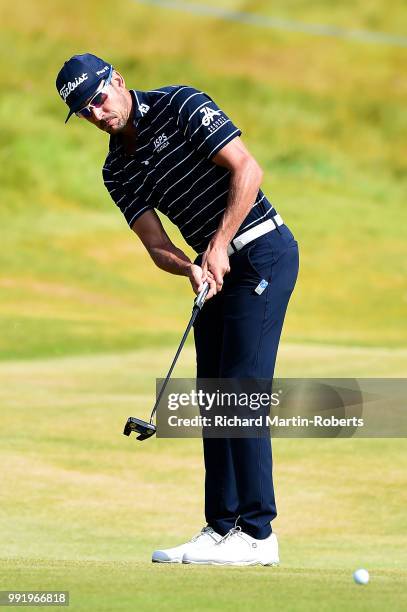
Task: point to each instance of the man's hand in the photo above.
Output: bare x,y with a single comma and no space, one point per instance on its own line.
215,264
198,278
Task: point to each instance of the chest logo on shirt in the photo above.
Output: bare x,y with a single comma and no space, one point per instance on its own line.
208,115
160,143
143,108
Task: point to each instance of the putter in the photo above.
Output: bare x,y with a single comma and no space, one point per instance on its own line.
147,429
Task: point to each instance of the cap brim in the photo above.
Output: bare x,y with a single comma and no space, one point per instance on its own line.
71,112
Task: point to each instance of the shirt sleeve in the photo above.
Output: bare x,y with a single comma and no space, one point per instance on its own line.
202,122
131,204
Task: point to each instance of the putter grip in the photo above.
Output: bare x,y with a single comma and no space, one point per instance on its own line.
200,298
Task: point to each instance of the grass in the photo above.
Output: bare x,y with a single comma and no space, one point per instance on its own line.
350,15
83,507
333,160
126,586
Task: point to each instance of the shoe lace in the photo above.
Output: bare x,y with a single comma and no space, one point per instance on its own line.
196,537
230,533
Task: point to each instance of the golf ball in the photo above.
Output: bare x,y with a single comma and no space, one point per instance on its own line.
361,576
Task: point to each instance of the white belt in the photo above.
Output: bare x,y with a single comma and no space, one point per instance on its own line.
251,234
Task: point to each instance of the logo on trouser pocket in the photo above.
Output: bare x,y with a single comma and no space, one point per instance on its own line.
261,287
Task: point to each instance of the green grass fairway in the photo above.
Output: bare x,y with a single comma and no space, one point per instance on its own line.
107,587
83,507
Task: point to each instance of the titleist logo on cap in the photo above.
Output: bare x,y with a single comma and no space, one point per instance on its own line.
71,86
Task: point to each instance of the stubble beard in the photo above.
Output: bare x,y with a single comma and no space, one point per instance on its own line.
118,125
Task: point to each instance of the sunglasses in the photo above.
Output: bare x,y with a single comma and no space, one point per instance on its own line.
96,101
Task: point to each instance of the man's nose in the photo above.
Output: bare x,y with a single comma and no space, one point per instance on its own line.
97,113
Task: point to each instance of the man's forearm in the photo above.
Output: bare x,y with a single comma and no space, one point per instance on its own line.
171,259
243,189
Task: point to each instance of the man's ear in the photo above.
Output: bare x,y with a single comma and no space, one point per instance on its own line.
118,80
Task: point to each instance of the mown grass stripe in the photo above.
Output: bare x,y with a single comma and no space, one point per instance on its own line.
285,25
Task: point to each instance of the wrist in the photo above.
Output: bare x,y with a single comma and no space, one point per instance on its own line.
219,243
188,270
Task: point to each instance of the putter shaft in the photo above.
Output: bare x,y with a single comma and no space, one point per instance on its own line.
145,429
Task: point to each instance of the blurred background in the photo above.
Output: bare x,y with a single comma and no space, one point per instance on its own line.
87,321
324,115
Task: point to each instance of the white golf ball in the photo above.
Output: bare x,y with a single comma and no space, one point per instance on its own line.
361,576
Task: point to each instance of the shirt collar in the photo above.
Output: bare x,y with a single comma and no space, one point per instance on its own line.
141,104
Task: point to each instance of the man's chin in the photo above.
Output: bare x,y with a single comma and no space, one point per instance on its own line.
112,128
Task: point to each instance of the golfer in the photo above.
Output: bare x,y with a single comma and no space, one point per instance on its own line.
174,150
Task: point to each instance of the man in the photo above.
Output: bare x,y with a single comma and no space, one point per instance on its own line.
174,150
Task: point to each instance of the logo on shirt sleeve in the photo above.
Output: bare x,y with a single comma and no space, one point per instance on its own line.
208,119
208,115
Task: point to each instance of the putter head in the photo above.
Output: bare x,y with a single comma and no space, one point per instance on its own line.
145,429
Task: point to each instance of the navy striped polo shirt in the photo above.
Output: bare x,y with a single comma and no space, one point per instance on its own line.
179,130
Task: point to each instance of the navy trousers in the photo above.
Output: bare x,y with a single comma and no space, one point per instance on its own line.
236,336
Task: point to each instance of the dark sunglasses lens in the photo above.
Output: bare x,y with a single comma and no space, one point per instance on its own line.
96,102
99,99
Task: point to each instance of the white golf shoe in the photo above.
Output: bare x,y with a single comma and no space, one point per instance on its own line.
236,548
206,538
